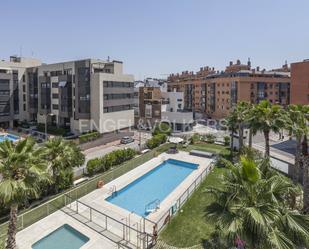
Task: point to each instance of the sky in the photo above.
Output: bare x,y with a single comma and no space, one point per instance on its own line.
154,38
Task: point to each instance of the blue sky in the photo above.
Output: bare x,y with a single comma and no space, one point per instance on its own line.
154,38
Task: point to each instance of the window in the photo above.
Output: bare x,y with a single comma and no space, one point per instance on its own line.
24,78
24,107
24,97
55,95
55,107
24,88
55,85
3,93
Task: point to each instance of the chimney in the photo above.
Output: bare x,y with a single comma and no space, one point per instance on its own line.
238,62
249,63
258,68
231,63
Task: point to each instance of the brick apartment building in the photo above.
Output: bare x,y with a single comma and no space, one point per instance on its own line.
191,85
219,91
300,82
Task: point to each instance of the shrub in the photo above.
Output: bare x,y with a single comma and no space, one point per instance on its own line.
66,178
93,166
195,138
227,140
162,128
88,136
54,130
109,160
156,140
210,138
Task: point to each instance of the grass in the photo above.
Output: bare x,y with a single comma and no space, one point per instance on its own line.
215,148
190,227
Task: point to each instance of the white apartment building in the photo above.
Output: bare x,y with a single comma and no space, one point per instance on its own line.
17,79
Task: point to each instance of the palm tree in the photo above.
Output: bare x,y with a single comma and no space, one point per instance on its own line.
252,204
63,157
23,168
242,110
297,126
231,122
266,118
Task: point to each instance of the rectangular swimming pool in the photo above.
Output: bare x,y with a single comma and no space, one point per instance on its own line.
152,187
9,137
64,237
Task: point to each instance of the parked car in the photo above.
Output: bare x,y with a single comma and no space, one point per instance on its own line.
126,140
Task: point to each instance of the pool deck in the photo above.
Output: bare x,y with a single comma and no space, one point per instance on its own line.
96,200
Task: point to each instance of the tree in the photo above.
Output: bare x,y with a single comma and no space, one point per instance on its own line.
63,157
231,122
266,117
23,169
162,128
252,205
242,110
297,126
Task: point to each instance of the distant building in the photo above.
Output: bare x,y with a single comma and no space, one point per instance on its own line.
86,95
214,93
18,90
156,106
81,95
300,83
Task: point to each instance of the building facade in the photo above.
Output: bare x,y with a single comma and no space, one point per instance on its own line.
191,85
81,95
156,106
86,95
17,90
217,92
300,83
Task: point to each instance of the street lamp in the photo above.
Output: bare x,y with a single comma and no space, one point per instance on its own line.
48,114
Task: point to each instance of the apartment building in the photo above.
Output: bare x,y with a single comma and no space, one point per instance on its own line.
82,95
18,90
86,95
300,83
212,93
241,83
190,84
158,106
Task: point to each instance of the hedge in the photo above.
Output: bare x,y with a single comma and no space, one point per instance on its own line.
54,130
156,140
111,159
88,136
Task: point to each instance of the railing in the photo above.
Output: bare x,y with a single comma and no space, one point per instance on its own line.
126,233
168,215
35,214
152,206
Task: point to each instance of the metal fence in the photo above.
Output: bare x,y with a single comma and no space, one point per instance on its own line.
35,214
120,231
168,215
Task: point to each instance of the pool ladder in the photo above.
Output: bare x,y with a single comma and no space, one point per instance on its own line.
152,206
113,190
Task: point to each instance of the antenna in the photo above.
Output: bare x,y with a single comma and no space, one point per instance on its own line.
20,50
107,58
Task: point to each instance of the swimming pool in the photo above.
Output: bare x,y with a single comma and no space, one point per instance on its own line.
64,237
146,192
9,137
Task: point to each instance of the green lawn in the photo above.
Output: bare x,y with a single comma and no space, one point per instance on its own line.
190,227
215,148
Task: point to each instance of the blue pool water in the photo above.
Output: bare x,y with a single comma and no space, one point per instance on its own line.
9,137
64,237
156,184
